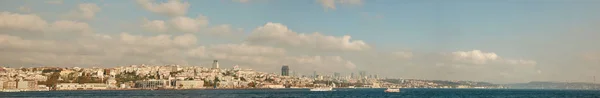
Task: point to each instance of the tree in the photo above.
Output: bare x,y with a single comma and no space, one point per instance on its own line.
207,83
52,80
216,81
84,79
242,78
252,84
127,76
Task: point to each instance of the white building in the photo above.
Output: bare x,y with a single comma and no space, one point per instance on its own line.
111,82
189,84
27,85
76,86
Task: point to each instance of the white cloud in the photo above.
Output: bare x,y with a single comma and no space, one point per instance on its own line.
166,41
54,1
331,4
352,2
475,56
241,1
24,9
327,4
223,30
85,11
479,58
322,63
403,55
97,49
199,51
154,25
244,49
279,35
521,62
14,21
190,25
170,8
70,26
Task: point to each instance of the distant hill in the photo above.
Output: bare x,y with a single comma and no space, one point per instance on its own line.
553,85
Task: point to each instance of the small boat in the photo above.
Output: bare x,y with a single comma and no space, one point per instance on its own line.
392,90
322,89
7,90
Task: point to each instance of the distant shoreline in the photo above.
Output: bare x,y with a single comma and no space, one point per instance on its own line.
297,89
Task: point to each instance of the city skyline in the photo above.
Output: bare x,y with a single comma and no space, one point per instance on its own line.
508,41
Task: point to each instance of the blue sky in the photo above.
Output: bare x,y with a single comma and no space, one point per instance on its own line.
553,33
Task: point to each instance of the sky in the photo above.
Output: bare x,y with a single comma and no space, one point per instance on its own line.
498,41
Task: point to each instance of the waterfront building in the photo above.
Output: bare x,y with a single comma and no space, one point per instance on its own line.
111,82
27,85
188,84
150,84
10,85
285,70
77,86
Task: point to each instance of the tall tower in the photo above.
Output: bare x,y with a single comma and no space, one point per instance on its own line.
362,74
285,70
215,64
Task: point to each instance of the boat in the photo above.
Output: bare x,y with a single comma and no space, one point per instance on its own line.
7,90
351,87
392,90
322,89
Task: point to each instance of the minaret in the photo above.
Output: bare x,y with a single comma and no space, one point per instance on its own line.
215,64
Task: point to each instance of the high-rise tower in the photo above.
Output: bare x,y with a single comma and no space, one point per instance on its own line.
362,74
285,70
215,64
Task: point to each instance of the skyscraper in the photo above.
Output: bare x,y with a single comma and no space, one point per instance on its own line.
336,75
285,70
352,75
215,64
362,74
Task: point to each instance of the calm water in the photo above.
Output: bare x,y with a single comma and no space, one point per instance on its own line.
304,93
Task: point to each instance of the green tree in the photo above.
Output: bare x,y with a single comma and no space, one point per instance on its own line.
52,80
252,84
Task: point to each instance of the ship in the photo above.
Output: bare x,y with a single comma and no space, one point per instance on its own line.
324,88
10,90
351,87
392,90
